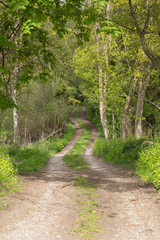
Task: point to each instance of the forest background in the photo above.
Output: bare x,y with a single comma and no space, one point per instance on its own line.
57,54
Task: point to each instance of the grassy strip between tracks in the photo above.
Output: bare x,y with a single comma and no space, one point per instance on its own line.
74,159
87,198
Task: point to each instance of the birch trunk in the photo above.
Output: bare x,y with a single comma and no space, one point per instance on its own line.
102,91
126,122
113,124
102,106
140,102
15,111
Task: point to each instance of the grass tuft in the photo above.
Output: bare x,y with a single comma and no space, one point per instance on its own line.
83,183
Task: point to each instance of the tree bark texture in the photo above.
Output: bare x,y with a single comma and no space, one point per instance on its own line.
140,102
126,122
15,111
102,91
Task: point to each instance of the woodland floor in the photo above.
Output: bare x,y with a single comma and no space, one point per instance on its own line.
46,208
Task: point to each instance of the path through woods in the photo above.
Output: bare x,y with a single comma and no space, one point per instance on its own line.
47,209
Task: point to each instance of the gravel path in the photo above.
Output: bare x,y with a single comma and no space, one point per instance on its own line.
46,208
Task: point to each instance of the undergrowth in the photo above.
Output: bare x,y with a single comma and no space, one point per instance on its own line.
124,153
144,158
33,157
149,165
8,179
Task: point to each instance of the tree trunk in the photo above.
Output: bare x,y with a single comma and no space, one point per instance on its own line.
139,109
102,92
113,124
102,105
126,122
15,111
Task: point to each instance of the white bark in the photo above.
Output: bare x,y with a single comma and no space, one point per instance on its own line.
102,91
113,124
126,129
15,111
139,109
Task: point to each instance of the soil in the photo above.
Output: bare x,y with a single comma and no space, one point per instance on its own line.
46,208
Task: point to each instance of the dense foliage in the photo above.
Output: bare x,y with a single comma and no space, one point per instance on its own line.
149,161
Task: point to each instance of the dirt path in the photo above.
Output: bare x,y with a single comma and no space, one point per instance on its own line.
46,209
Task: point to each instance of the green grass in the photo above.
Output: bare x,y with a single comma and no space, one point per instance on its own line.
87,222
78,111
145,173
33,157
83,183
118,151
74,159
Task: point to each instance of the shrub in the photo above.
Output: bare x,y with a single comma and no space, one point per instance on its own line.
118,151
149,158
100,147
7,172
8,178
110,150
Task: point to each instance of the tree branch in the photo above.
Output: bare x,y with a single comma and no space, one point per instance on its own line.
149,102
147,18
154,59
22,65
117,23
4,4
53,133
134,17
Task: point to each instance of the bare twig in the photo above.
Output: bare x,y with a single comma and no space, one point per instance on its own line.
149,102
53,133
22,65
117,23
147,17
4,4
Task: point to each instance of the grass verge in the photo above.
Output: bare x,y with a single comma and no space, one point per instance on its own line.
87,222
124,153
144,158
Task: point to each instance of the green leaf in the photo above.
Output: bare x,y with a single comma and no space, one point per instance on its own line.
18,4
4,70
6,102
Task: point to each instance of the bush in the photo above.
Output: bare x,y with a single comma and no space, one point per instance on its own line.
111,150
149,159
8,178
7,172
118,151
